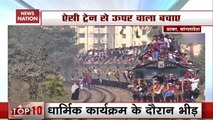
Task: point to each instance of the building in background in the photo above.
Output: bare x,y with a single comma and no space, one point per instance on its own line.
126,36
93,37
109,37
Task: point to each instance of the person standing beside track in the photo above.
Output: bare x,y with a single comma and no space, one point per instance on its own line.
108,74
117,76
80,80
88,78
99,75
75,90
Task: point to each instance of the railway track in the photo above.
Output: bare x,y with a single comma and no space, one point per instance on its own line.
96,94
110,97
84,96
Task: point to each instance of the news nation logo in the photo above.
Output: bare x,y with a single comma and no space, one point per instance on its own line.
27,110
27,16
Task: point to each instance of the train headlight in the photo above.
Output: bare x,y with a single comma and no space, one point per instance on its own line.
161,64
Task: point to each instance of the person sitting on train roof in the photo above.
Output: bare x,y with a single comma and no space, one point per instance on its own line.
169,50
155,54
162,54
167,40
149,55
162,43
171,57
177,56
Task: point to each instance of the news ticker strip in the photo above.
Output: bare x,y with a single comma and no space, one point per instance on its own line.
160,18
123,110
42,110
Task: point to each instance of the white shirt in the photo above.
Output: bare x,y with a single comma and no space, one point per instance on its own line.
90,53
131,52
170,56
150,58
126,72
73,88
95,71
167,41
195,82
109,73
96,54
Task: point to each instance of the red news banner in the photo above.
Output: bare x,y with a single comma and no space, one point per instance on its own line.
182,28
27,16
106,110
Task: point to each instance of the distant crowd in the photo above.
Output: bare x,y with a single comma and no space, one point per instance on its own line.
127,55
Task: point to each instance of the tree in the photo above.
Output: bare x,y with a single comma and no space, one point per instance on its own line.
32,70
36,52
53,86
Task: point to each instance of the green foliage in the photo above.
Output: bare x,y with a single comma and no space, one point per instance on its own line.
53,86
